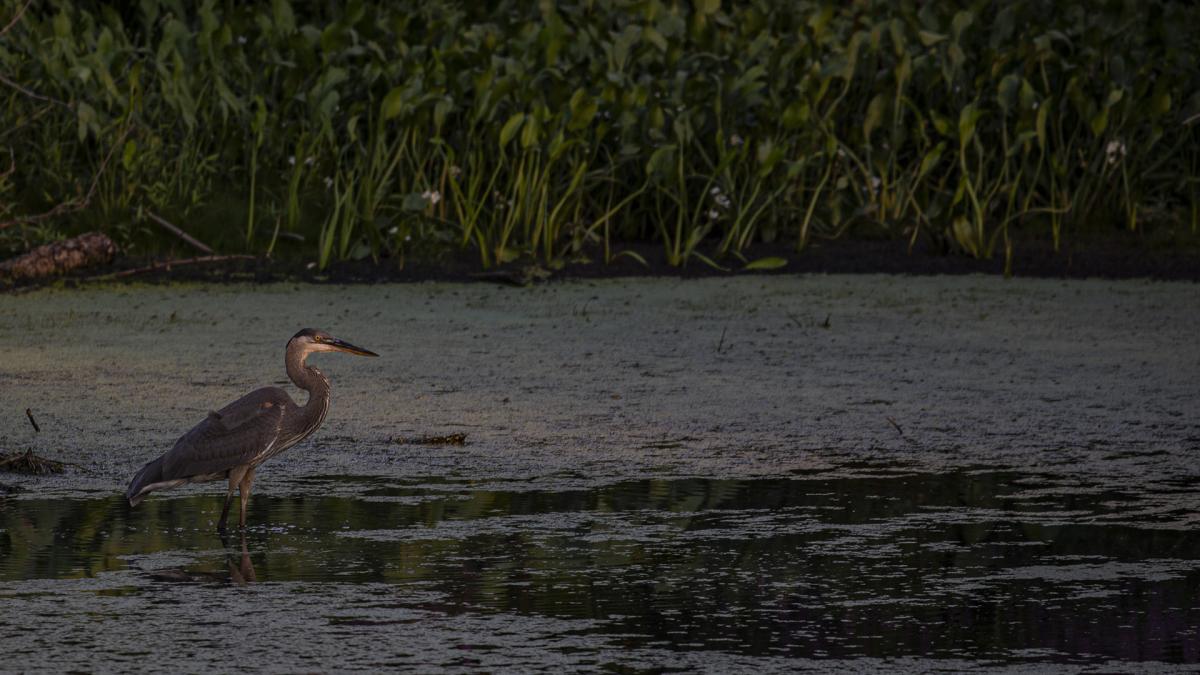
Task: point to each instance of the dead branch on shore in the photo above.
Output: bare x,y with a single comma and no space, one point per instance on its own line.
170,227
168,264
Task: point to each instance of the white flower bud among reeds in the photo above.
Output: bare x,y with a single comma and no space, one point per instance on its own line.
432,196
1115,151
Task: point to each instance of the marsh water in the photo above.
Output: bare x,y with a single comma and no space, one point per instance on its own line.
979,566
656,476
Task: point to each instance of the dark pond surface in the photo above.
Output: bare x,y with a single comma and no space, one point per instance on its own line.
976,569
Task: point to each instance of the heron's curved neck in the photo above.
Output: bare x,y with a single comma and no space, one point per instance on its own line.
307,377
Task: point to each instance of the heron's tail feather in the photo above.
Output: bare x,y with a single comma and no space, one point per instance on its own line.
148,479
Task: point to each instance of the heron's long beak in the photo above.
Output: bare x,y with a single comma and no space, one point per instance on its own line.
343,346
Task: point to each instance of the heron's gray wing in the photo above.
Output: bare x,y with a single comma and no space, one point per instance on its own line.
232,436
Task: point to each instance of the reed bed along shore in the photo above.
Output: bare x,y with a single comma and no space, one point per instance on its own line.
553,131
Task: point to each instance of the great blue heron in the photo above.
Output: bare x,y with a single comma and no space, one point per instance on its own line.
233,441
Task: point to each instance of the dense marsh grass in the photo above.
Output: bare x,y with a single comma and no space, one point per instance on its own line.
554,130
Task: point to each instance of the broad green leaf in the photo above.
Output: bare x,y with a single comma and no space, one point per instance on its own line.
583,110
876,110
393,103
941,123
507,254
651,35
770,263
259,123
1002,26
929,38
632,255
531,134
899,42
795,115
1028,95
1160,104
660,160
931,159
87,119
904,71
968,118
1008,91
1042,116
127,155
706,7
510,128
62,25
414,202
769,156
441,110
966,236
962,20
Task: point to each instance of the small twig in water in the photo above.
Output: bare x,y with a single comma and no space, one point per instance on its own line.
27,462
893,423
448,439
826,324
29,414
167,225
721,342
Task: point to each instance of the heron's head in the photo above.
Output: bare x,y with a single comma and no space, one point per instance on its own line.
311,340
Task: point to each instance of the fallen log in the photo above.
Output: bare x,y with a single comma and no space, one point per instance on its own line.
61,257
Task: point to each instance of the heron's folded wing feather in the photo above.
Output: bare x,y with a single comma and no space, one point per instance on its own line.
226,439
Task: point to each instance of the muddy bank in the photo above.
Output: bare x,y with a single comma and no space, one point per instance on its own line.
1165,255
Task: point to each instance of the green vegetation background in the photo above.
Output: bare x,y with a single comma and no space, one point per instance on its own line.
551,130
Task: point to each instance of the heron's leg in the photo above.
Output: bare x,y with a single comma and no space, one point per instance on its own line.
246,482
235,477
225,511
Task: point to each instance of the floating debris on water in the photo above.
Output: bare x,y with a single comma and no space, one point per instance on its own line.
448,439
27,462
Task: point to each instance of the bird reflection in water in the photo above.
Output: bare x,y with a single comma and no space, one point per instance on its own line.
239,568
242,571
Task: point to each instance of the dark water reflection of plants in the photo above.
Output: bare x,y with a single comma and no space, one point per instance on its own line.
990,565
